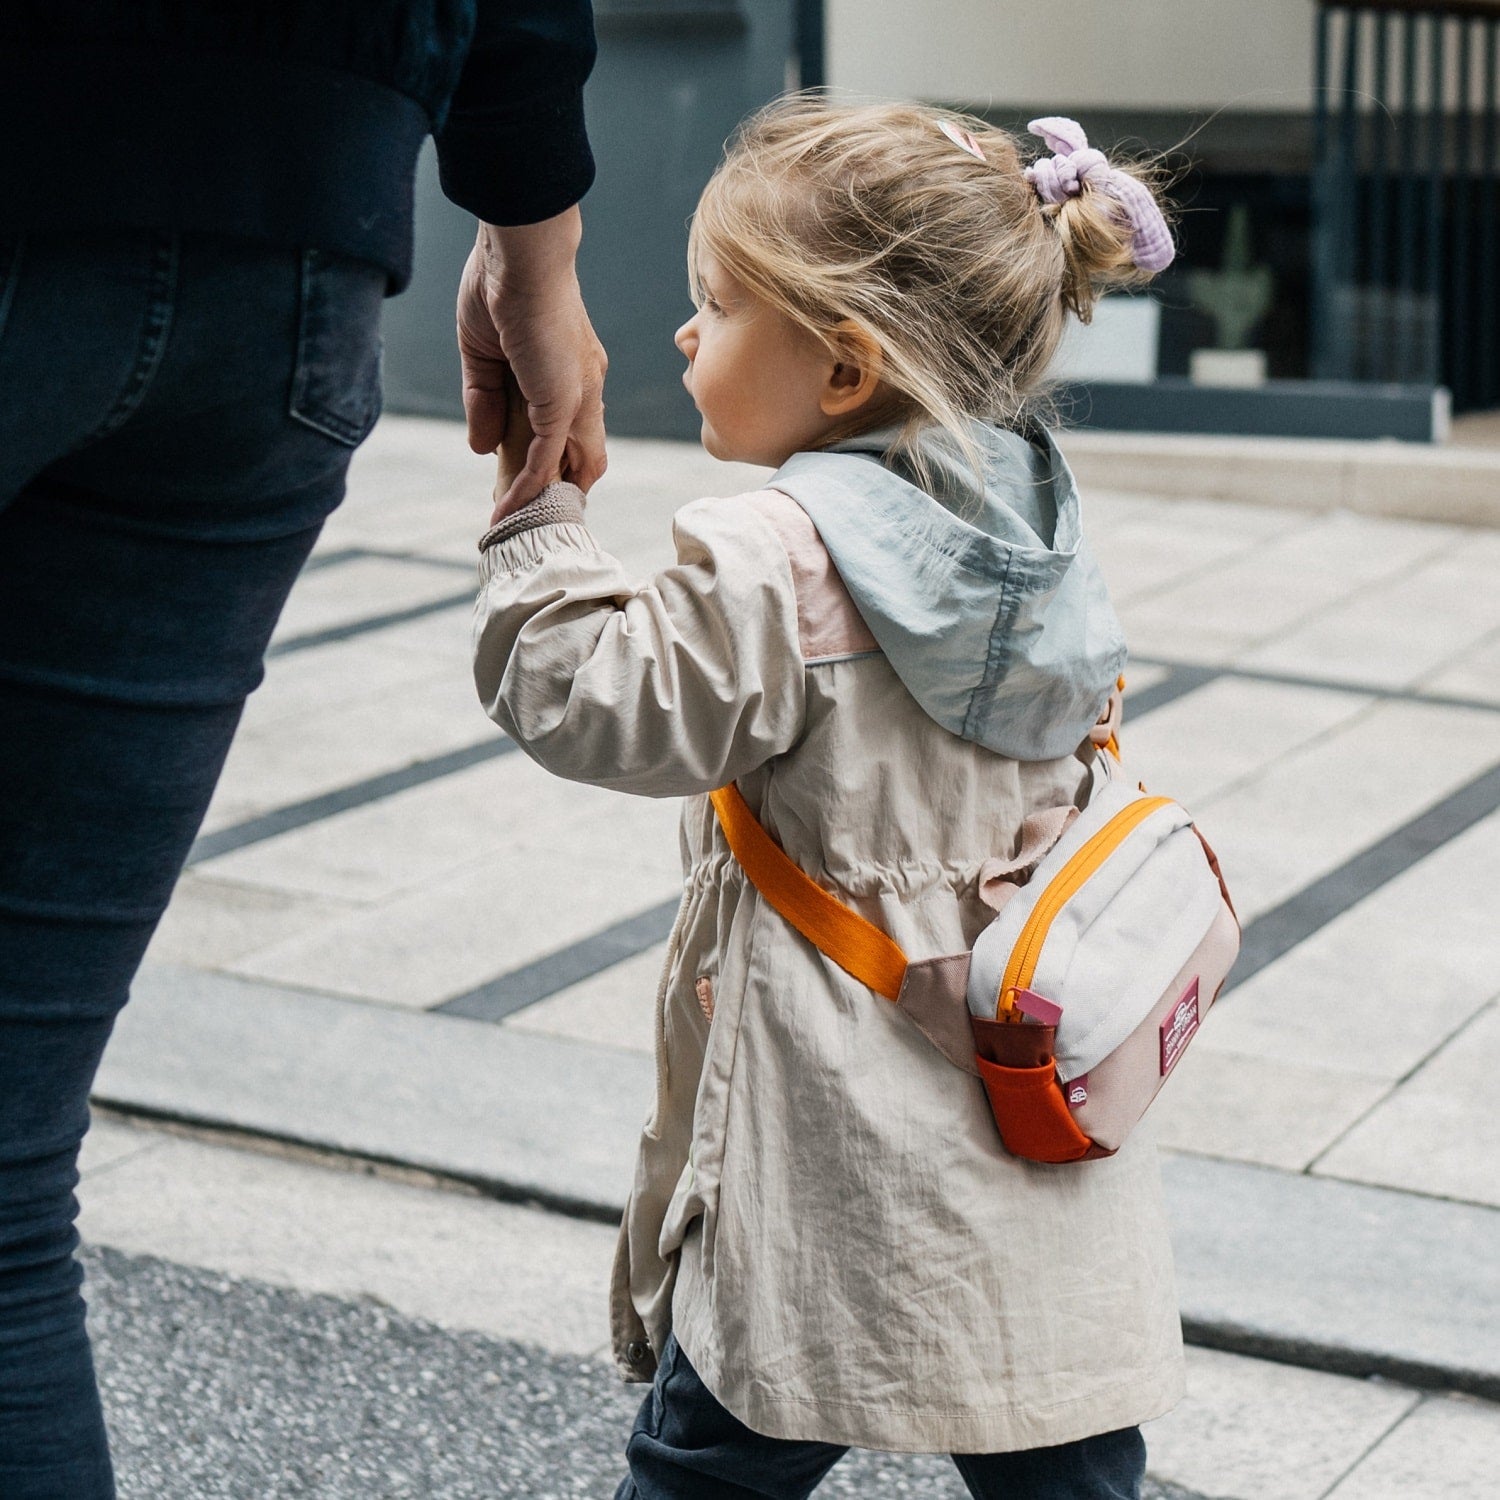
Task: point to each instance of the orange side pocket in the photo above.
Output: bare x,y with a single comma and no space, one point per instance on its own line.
1032,1114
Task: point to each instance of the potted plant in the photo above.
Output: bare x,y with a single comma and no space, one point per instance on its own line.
1236,296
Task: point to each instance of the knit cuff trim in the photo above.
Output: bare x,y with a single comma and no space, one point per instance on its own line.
560,504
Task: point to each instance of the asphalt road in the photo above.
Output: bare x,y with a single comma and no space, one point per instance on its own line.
218,1389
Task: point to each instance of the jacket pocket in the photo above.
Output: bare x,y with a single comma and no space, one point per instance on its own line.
336,383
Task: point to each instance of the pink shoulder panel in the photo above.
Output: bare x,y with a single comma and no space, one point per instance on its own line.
827,621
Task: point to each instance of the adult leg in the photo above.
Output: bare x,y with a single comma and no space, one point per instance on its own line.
685,1446
1109,1466
214,393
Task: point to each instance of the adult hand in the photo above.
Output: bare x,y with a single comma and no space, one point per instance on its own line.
520,311
515,447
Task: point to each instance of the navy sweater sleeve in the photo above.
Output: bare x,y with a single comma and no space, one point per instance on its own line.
513,148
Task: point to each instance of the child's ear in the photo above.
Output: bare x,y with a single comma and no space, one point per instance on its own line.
855,374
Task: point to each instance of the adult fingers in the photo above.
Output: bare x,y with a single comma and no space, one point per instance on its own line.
484,382
543,465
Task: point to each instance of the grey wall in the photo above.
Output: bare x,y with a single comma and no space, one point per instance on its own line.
671,83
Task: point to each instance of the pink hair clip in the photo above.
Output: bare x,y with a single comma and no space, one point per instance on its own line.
961,138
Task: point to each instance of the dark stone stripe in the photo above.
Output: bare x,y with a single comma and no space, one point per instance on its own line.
1276,932
1178,683
320,560
506,994
363,626
1196,676
299,814
336,558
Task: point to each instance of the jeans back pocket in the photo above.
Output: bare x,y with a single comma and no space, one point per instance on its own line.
336,384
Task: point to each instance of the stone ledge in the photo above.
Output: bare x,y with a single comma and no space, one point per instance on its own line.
1309,1271
1459,486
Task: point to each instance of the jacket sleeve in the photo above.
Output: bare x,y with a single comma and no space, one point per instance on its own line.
513,148
664,688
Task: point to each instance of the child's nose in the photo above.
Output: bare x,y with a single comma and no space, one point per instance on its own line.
686,337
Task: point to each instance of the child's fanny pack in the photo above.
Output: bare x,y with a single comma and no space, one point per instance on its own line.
1112,939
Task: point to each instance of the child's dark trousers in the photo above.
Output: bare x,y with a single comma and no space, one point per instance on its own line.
687,1447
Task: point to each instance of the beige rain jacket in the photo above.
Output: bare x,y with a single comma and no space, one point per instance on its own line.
822,1209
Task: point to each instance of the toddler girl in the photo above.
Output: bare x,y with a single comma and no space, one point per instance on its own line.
897,649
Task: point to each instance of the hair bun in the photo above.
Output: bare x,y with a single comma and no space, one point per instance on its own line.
1099,242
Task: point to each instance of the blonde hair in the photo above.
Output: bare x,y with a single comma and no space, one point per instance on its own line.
952,265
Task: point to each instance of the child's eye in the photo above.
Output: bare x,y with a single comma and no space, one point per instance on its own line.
709,305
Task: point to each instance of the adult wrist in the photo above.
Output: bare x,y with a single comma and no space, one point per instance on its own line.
522,259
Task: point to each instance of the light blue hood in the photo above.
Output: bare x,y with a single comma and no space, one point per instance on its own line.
986,601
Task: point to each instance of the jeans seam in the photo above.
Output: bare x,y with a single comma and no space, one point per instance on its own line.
153,340
9,276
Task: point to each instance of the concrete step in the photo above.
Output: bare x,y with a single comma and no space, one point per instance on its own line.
1321,1273
1456,484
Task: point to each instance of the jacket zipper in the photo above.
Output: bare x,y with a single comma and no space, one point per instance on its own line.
1066,884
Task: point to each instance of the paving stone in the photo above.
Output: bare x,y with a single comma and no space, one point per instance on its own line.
1396,634
1276,1112
519,903
1325,801
1337,1275
1197,746
324,598
1383,985
348,742
485,818
110,1141
210,922
528,1116
1474,673
1444,1450
444,636
1252,1430
456,1260
1226,610
342,672
614,1009
1156,547
1436,1133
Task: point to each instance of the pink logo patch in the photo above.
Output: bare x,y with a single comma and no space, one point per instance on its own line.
1076,1091
1178,1029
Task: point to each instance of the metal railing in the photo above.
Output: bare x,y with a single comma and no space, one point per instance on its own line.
1406,195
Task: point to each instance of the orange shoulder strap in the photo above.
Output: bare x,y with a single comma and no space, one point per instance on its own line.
855,945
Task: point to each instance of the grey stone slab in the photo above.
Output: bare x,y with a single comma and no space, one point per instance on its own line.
1436,1133
1406,629
1352,1279
1258,596
617,1006
525,1116
456,1259
1445,1450
110,1142
1256,1430
1273,1111
1325,802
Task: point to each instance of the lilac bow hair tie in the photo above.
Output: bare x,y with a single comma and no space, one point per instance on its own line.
1074,162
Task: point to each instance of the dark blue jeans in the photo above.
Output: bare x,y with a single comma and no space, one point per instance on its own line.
177,416
687,1447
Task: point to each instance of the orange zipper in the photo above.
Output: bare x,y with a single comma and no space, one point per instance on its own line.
1069,880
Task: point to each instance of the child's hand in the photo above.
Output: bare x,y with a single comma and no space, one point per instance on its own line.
514,446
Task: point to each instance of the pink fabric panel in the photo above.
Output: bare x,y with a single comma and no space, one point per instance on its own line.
827,621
